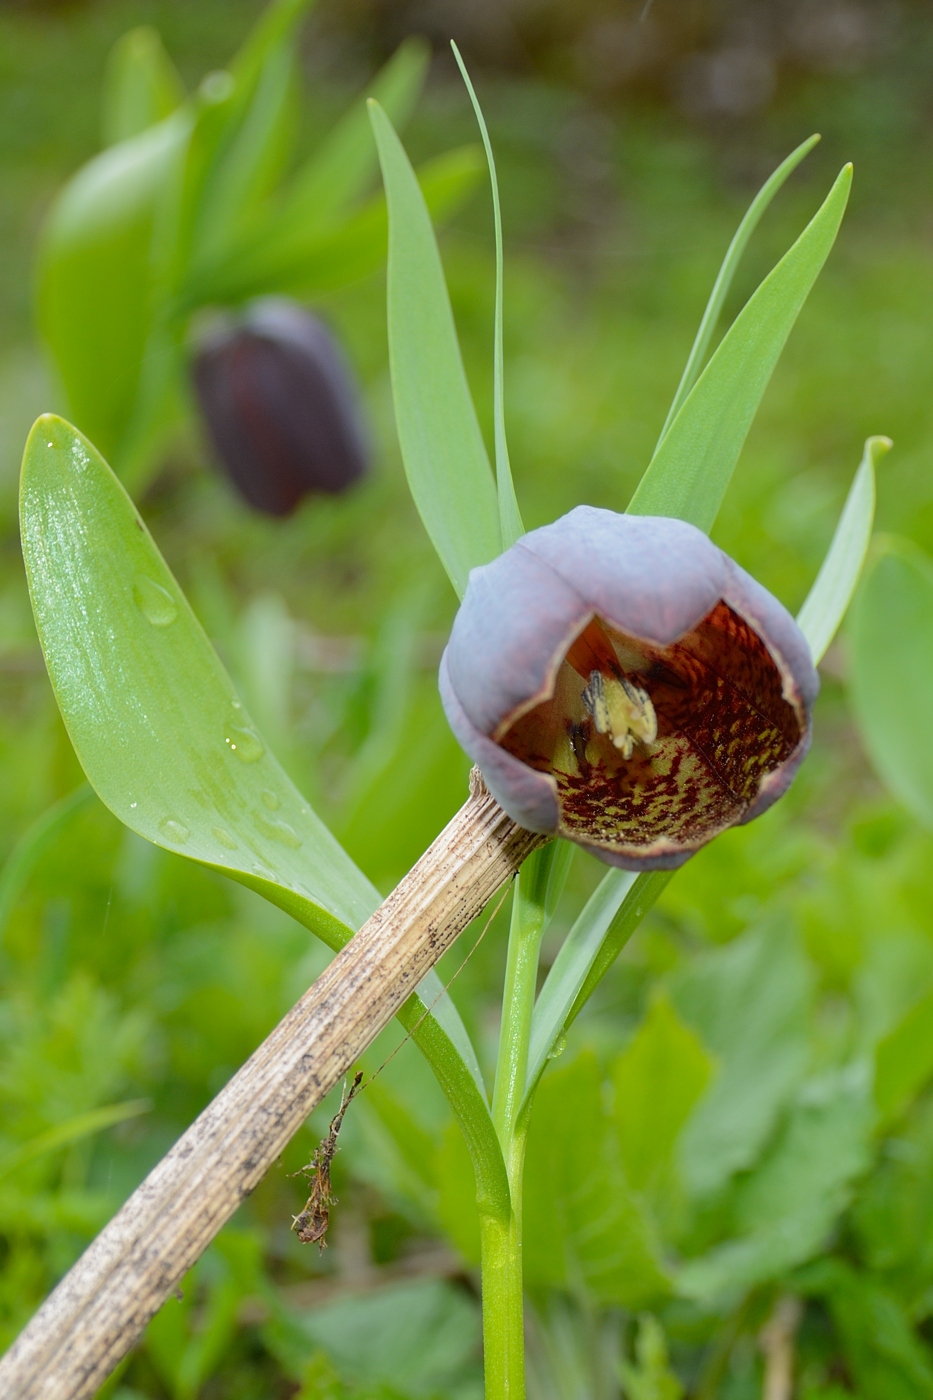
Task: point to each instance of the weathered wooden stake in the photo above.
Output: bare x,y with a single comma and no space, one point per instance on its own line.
101,1307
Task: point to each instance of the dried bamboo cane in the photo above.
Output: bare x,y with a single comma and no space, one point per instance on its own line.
101,1307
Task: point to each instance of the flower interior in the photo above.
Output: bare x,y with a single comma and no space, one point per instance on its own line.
658,746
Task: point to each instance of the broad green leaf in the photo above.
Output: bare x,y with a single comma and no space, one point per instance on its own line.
160,731
339,169
726,273
749,1001
581,1223
442,446
891,680
413,1338
904,1060
658,1078
96,297
141,85
784,1210
892,1216
510,519
828,600
604,926
693,464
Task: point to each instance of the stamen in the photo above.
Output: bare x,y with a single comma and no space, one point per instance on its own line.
621,710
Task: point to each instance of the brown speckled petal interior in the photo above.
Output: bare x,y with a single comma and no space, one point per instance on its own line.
724,725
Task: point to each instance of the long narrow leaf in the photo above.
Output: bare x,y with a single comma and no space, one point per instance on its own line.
607,921
344,162
829,598
510,518
693,466
442,446
726,273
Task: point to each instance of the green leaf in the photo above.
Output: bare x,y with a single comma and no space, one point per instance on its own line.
73,1130
323,261
442,446
343,163
726,273
892,670
162,735
886,1359
829,598
153,716
600,932
904,1060
658,1078
750,1004
19,863
96,294
510,519
693,464
581,1224
141,85
783,1211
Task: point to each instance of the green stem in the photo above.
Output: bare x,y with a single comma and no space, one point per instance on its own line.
503,1320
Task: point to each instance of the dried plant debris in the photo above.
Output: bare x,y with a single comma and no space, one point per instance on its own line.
311,1225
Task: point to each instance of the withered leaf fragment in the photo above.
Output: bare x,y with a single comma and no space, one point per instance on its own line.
311,1225
279,405
622,682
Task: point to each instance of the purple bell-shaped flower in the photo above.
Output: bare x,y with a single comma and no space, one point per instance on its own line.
621,682
280,406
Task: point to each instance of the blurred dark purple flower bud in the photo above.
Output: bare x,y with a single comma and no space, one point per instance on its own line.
621,682
280,406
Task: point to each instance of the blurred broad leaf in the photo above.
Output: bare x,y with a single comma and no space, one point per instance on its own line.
96,297
828,600
420,1336
891,682
658,1078
442,446
904,1060
783,1211
693,464
141,85
750,1003
581,1223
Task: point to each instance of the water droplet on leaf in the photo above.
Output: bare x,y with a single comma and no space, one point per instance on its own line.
174,831
271,799
223,837
247,746
279,831
154,602
558,1048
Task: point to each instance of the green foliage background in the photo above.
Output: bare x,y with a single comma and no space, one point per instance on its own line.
781,969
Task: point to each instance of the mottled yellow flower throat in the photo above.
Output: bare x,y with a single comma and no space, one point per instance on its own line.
649,743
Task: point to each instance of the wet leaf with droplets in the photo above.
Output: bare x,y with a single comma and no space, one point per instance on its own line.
155,720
